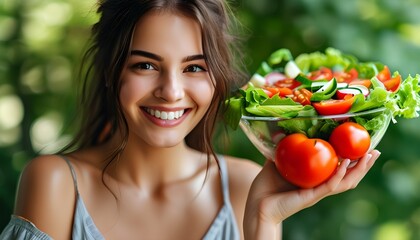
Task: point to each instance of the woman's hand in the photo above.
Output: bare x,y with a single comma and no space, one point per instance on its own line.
271,199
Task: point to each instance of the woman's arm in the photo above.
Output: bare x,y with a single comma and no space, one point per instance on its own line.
46,196
271,199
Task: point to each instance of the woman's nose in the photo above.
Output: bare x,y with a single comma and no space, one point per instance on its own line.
171,87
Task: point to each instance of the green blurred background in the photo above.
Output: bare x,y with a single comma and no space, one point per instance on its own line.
41,42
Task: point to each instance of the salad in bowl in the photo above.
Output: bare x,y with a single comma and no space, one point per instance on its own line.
309,112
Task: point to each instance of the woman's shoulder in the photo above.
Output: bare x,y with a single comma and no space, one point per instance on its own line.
46,195
240,168
45,163
46,171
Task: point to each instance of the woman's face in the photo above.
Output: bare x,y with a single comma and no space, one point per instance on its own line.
166,86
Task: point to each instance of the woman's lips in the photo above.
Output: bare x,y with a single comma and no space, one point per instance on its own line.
165,118
165,115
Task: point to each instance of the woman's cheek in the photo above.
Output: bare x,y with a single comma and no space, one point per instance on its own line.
203,91
132,90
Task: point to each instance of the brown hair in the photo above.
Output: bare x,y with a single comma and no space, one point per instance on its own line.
105,59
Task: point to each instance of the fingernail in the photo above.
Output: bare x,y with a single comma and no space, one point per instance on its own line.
347,162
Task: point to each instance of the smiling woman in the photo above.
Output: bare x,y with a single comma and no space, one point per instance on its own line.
142,164
164,78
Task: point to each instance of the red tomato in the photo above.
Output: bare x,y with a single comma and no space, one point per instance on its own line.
347,77
281,91
333,106
287,83
305,162
364,82
323,73
384,74
393,84
350,140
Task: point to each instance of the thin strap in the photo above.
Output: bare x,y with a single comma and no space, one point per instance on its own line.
224,178
73,173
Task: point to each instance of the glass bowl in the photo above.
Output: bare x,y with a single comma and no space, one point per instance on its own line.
265,132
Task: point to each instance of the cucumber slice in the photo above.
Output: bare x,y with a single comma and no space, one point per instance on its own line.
326,91
342,85
352,90
363,89
316,85
341,93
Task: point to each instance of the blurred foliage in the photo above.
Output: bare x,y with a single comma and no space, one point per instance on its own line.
41,42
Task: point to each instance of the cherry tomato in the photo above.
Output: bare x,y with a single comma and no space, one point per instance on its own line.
333,106
305,162
323,73
302,96
384,74
364,82
281,91
350,140
287,83
346,77
393,84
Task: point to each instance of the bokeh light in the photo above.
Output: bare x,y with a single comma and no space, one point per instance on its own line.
11,111
45,131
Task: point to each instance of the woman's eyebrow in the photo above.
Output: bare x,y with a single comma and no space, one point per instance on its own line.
194,57
146,54
159,58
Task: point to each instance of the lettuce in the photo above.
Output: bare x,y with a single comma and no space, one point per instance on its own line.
254,101
332,58
403,103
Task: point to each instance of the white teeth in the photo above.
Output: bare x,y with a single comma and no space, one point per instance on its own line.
165,115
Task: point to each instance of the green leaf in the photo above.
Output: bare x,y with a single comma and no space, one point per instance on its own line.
279,56
234,111
283,111
264,69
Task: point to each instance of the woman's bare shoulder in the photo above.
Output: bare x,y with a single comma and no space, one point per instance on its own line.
242,170
46,195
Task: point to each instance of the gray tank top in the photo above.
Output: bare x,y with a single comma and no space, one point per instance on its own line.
224,226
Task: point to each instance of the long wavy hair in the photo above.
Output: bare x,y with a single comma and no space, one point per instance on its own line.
108,51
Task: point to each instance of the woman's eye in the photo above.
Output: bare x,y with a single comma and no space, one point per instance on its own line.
143,66
194,68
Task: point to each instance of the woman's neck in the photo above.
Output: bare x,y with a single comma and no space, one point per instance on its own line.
149,167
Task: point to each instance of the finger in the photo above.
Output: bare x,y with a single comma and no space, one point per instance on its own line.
329,187
375,155
341,180
355,175
363,165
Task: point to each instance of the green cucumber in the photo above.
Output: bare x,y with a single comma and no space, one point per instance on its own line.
325,92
